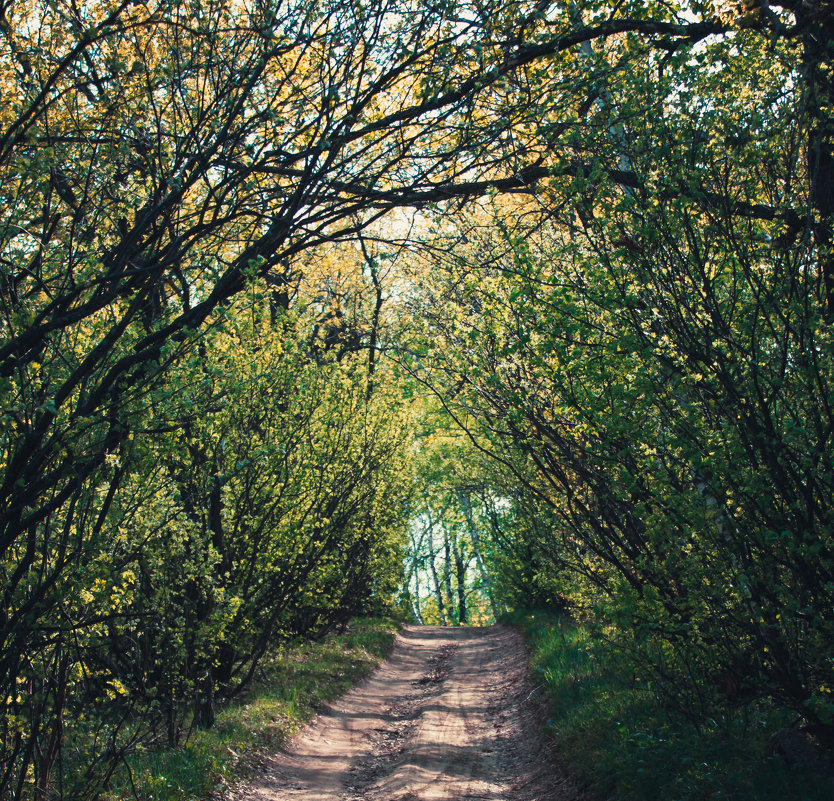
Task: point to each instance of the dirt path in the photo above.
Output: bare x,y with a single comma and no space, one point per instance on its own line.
449,715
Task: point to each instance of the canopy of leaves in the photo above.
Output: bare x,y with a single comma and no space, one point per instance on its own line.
622,285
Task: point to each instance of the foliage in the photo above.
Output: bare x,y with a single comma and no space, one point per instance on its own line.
294,680
261,495
607,725
676,473
156,160
627,213
643,347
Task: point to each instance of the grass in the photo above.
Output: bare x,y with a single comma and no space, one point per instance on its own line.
624,745
294,682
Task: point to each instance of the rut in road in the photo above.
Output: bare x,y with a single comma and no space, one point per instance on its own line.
449,715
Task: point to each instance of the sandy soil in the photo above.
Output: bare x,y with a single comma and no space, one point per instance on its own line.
451,714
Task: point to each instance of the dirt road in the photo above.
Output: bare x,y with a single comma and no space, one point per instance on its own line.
449,715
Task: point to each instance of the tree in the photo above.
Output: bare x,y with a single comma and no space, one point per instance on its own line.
289,489
648,353
644,346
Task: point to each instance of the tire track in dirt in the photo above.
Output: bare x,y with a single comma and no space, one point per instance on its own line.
449,715
390,743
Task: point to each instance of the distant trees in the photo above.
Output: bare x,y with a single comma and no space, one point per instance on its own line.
448,580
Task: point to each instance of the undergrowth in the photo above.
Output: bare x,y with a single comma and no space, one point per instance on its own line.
624,745
294,681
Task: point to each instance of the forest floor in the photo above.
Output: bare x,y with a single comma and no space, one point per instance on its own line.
451,714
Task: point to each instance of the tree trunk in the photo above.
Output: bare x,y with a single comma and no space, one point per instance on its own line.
447,576
475,538
433,570
372,346
415,602
460,572
54,739
204,702
173,728
414,598
820,96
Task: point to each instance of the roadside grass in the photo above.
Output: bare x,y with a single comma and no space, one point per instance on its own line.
623,745
293,682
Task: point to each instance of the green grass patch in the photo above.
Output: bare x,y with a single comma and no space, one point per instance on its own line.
293,682
620,741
